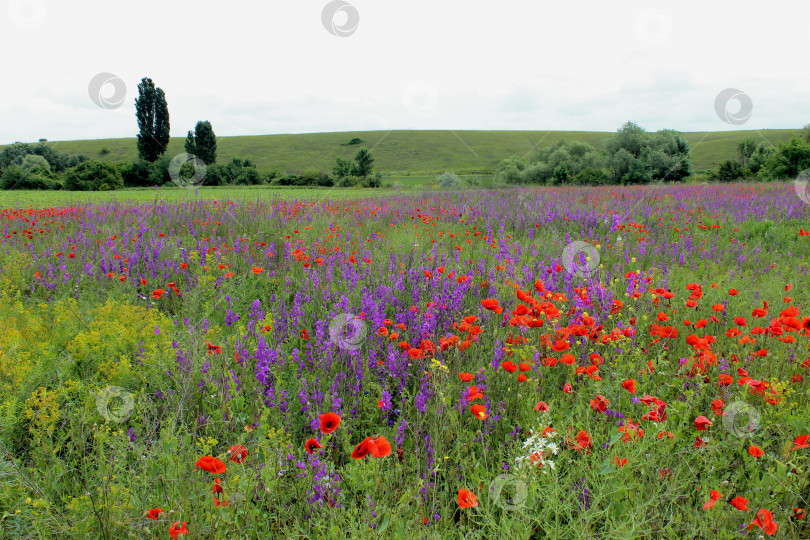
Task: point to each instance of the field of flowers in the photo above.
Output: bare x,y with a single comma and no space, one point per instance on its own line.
547,363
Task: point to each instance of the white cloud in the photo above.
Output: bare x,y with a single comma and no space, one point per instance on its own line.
264,66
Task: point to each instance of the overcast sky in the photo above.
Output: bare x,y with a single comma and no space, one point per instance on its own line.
255,67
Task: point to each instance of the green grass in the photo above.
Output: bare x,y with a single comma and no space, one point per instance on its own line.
414,152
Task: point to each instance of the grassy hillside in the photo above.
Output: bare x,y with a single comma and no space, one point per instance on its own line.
418,152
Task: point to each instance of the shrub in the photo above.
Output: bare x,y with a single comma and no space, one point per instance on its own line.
728,171
33,162
449,180
93,176
16,177
137,174
592,177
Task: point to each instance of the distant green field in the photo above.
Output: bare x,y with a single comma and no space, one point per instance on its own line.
414,152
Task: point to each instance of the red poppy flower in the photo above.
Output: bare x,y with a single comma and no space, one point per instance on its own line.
238,453
217,487
157,293
522,378
474,393
600,403
755,451
304,334
583,442
329,422
629,385
378,447
210,464
415,353
714,496
154,513
509,366
492,305
799,513
541,406
466,377
701,422
466,498
479,411
621,462
175,531
567,388
740,503
801,442
257,270
765,522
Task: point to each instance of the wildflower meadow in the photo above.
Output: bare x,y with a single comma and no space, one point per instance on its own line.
557,362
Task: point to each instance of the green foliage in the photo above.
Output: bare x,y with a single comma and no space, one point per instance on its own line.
728,171
363,163
591,176
93,176
202,142
426,153
138,173
449,180
33,162
789,159
237,172
746,149
152,113
638,157
17,177
16,153
343,168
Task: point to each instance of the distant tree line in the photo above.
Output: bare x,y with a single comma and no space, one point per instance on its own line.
762,161
26,166
632,156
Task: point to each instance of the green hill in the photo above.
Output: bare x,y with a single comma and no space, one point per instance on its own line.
418,152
